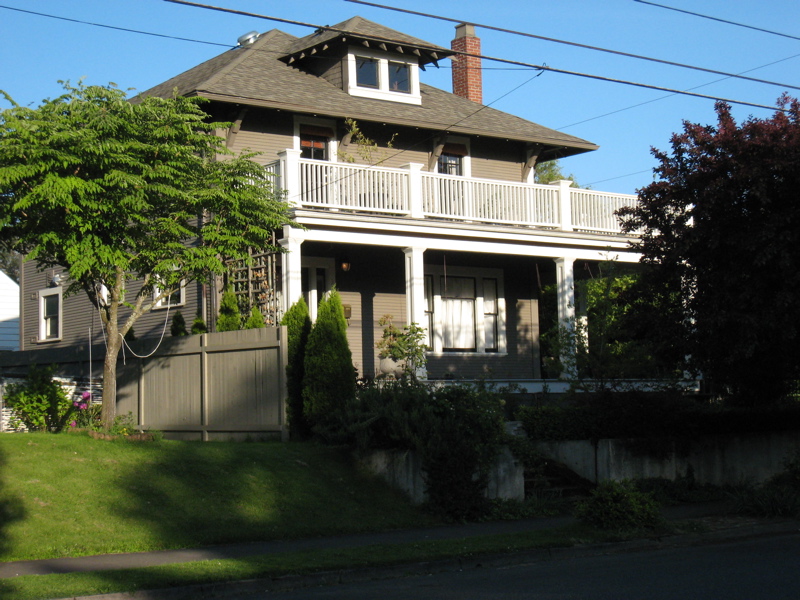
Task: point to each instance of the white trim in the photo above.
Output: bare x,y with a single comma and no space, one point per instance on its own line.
382,92
312,263
53,291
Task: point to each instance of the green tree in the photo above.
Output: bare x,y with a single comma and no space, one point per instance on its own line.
229,319
550,171
117,191
329,380
178,327
298,326
255,320
9,264
720,232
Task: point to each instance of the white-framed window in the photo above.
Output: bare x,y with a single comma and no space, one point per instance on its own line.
454,158
381,75
466,309
315,138
176,298
50,314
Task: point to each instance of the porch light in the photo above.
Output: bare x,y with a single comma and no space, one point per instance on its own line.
345,264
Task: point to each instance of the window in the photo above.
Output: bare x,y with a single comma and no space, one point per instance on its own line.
50,314
465,309
367,72
383,76
450,164
176,298
313,146
399,77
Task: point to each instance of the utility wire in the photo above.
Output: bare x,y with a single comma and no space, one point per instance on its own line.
492,58
694,14
576,44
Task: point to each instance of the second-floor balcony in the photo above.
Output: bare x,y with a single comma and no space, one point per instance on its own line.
411,192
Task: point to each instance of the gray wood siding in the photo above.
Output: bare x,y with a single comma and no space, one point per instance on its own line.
494,160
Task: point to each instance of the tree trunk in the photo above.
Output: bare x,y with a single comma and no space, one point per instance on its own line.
109,412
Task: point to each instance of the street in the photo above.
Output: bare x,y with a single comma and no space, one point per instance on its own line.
745,570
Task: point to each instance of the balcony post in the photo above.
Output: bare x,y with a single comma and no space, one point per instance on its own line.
415,204
564,203
292,265
290,176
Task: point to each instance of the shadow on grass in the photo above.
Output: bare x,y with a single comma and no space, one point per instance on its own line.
11,509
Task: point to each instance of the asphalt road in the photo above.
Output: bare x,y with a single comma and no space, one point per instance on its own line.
767,568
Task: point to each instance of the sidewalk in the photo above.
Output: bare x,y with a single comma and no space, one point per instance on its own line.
717,527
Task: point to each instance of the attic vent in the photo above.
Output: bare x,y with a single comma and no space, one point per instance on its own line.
247,38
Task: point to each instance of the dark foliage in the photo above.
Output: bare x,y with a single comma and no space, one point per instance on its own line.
298,326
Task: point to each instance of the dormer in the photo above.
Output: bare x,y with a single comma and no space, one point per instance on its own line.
367,60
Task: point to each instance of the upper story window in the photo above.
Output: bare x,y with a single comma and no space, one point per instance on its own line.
315,139
50,314
367,72
313,146
450,164
382,75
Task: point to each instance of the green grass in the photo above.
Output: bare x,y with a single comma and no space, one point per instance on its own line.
70,495
39,587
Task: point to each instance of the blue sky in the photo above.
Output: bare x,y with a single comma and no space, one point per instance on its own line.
36,51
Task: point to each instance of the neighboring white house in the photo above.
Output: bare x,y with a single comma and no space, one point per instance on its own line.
9,313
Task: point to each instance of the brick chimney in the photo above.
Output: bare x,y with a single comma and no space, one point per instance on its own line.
467,81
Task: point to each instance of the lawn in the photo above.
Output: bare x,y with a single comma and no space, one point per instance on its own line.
71,495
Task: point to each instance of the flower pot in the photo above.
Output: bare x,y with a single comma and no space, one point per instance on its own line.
390,366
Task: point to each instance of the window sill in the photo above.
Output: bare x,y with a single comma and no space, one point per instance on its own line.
432,354
48,340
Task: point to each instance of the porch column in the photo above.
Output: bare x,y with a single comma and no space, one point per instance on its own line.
415,292
290,176
291,261
565,284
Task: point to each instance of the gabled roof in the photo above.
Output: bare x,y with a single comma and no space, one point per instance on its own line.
361,31
256,75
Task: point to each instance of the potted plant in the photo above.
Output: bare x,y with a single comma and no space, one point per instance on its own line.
401,351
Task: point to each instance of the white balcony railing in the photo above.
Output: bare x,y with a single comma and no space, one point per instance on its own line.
410,192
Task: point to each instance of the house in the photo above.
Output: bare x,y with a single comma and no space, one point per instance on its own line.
413,201
9,313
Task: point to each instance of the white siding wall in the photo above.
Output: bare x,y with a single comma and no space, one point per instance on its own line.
9,313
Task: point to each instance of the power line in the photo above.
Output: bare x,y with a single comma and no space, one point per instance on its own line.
492,58
694,14
114,27
576,44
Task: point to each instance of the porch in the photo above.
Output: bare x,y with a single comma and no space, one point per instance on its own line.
413,193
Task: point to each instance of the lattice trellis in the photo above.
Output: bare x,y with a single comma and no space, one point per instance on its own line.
258,284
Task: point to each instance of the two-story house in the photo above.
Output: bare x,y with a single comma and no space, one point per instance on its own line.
438,221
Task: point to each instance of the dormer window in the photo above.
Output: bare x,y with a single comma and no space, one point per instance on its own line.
383,76
367,72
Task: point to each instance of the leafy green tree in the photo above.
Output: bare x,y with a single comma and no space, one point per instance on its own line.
178,327
111,189
329,380
9,264
199,325
298,326
720,231
255,320
229,319
550,171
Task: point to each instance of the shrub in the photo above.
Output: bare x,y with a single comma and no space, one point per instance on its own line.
406,346
230,319
178,327
40,403
329,378
298,326
619,506
199,325
255,320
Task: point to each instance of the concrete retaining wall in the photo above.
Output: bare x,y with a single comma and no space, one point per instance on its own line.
403,470
718,460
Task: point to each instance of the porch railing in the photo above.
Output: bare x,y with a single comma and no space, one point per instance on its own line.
410,192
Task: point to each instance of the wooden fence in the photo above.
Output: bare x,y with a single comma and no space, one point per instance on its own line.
214,386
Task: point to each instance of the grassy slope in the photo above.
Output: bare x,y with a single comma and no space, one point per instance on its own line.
70,495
